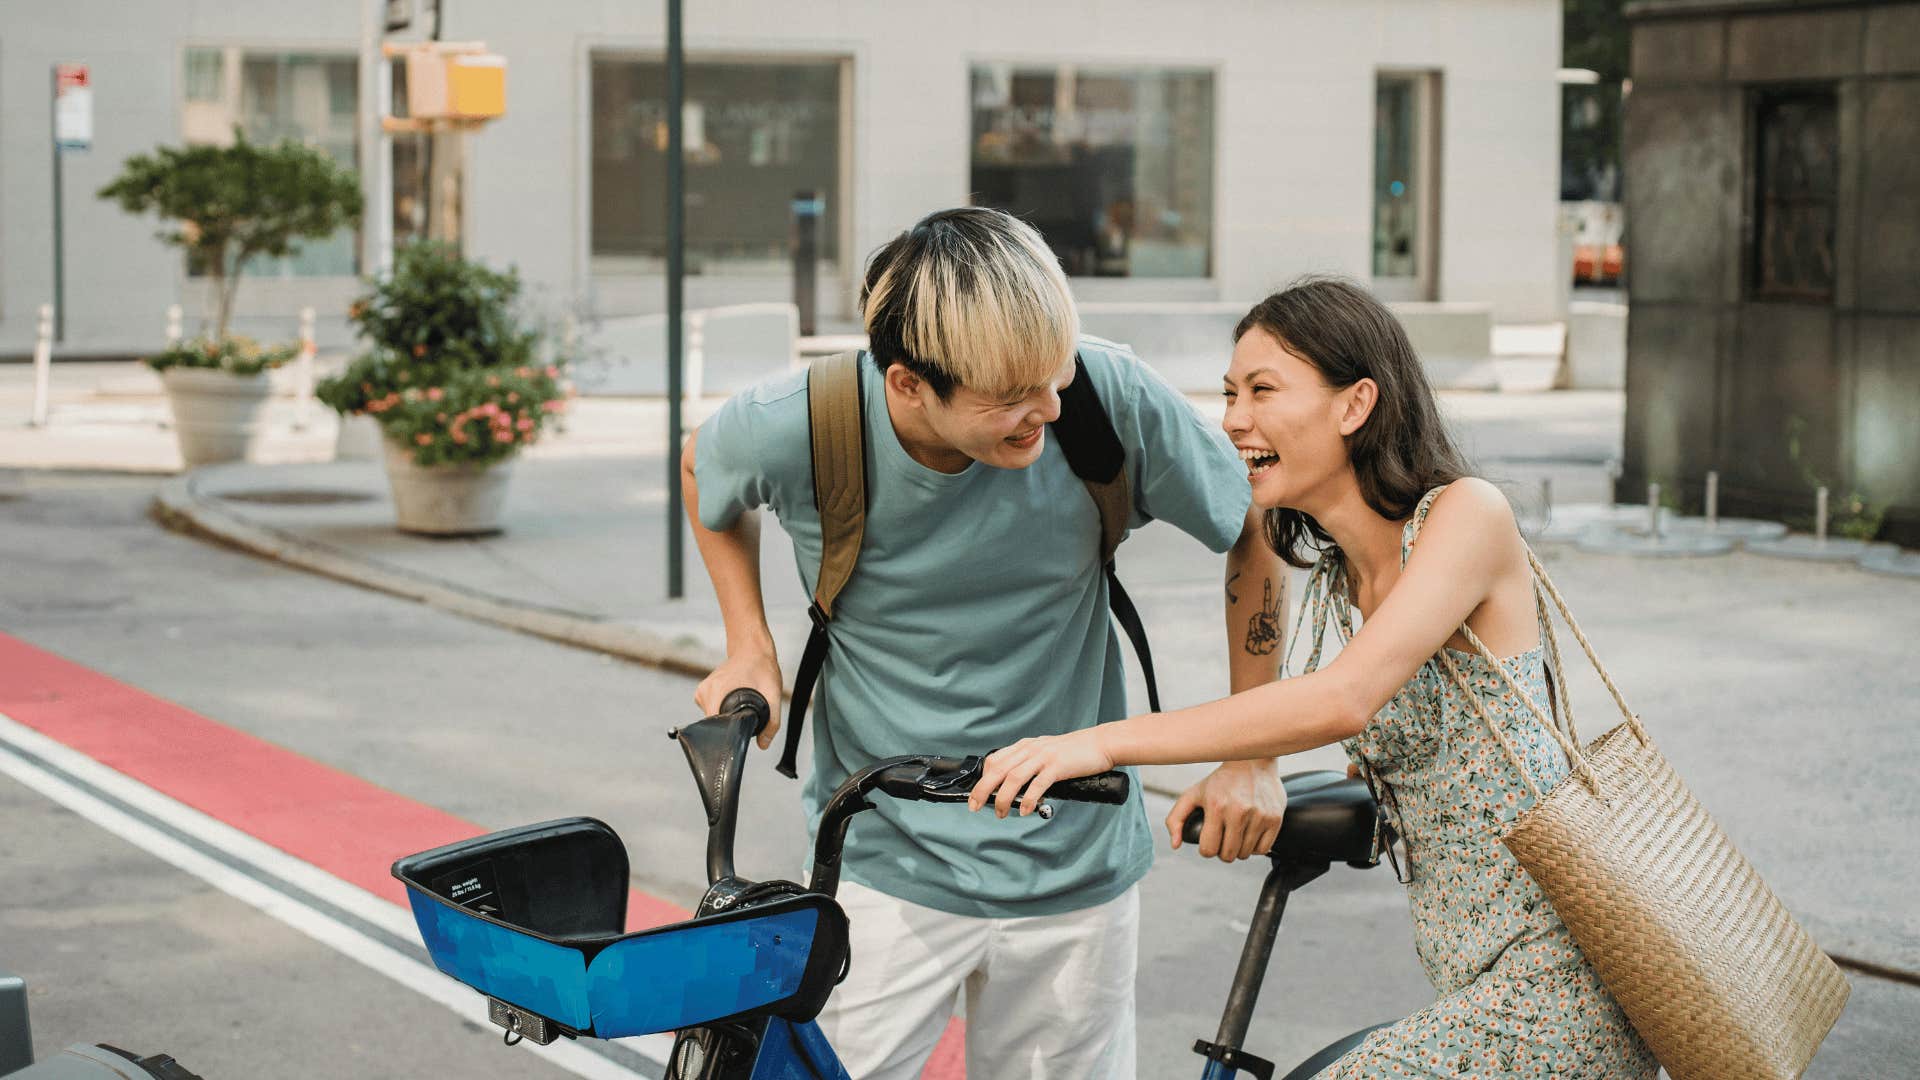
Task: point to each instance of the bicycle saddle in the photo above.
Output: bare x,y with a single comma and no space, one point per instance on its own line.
1329,819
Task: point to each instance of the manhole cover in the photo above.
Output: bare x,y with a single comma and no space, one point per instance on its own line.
296,497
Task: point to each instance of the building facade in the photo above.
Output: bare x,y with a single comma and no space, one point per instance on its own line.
1773,212
1194,152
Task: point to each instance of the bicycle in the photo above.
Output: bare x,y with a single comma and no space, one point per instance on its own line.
533,917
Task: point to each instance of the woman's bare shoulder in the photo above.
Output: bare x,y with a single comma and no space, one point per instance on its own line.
1474,511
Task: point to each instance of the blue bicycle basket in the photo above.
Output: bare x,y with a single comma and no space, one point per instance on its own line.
534,917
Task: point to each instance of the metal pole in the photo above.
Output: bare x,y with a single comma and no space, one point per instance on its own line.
806,258
59,219
376,147
1820,516
676,252
1713,500
1653,511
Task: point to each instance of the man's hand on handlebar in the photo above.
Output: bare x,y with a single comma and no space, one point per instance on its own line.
1244,803
1035,765
755,670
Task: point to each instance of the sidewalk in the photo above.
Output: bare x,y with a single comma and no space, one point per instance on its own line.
1784,691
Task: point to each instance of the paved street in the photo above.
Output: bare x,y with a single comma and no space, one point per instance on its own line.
121,947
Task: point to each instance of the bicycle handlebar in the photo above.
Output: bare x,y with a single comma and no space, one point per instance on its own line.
751,700
930,779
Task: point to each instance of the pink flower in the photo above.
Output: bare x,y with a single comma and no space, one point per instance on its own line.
423,439
513,399
493,380
434,393
505,435
553,372
524,372
525,424
555,405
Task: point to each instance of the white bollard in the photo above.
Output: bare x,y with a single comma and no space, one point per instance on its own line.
175,323
303,401
1653,510
42,366
1713,500
1820,516
696,368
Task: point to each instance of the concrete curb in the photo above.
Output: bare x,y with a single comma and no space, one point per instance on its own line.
180,506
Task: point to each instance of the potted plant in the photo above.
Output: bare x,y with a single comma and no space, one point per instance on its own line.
459,380
225,205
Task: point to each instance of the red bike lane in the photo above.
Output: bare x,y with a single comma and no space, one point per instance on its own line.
330,819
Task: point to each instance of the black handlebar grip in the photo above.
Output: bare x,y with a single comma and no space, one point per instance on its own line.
748,698
1190,832
1111,788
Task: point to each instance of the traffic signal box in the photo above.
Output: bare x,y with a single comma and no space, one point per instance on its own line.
450,85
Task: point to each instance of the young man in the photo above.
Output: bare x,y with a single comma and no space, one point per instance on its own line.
977,615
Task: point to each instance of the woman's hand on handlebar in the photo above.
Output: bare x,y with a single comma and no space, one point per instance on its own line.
1035,765
756,670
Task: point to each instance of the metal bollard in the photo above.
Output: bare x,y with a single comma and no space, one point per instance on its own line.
1820,516
1713,500
42,366
1653,511
175,323
16,1030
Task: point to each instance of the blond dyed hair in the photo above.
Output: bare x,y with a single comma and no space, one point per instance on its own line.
970,297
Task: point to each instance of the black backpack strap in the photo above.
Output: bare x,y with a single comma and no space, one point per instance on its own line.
1098,457
1122,606
835,424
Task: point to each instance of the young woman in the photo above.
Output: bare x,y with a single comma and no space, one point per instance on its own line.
1347,454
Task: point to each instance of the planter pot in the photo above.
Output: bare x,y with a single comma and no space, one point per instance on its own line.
217,416
446,500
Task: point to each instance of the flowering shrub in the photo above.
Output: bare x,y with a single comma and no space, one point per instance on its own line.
477,416
454,374
236,355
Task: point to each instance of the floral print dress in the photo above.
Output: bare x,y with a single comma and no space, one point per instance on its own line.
1517,997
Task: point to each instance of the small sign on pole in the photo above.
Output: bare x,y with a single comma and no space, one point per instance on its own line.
72,107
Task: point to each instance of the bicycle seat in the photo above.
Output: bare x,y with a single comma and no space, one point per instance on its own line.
1329,819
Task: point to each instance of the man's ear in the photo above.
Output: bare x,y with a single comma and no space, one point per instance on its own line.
1361,397
904,384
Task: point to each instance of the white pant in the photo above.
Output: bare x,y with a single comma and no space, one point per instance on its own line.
1049,997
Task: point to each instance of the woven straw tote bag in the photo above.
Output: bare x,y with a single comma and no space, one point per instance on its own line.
1713,971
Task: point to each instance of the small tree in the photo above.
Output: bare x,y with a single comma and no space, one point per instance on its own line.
224,205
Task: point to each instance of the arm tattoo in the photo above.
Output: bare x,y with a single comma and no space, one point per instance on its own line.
1263,630
1233,597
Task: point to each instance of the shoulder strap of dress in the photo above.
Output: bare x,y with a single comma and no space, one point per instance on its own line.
1412,530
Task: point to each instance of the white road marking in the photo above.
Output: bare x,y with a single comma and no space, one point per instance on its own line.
401,968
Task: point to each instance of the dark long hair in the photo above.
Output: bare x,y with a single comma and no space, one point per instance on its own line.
1403,450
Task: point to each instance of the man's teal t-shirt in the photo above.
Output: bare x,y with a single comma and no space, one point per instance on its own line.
977,616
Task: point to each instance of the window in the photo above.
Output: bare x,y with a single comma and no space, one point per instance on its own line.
308,97
1796,183
1115,168
756,133
1404,185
